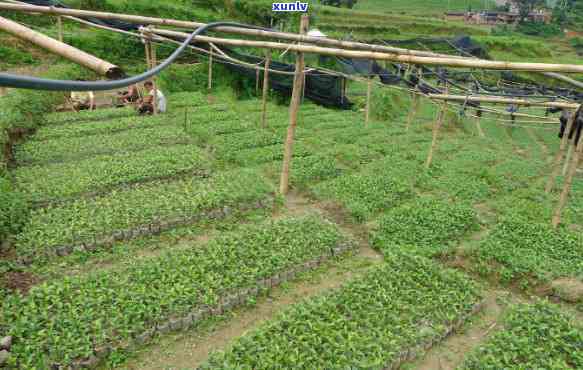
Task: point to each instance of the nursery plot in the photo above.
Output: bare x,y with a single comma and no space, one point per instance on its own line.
104,127
74,148
519,249
83,317
535,336
102,173
52,119
426,226
391,314
87,224
364,194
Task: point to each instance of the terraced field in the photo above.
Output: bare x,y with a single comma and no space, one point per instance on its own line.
161,242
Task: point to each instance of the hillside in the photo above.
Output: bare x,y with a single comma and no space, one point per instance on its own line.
416,233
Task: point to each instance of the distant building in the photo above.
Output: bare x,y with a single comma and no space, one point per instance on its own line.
488,17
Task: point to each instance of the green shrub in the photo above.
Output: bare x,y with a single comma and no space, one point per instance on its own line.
13,209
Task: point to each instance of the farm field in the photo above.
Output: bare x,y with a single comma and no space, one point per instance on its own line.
150,235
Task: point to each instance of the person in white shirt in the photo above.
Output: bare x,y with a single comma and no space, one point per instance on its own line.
147,105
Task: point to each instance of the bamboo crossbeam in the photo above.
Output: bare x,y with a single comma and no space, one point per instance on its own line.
235,30
409,59
66,51
500,100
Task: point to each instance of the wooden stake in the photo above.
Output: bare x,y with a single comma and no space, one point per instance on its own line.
210,84
257,80
154,62
412,110
60,26
293,112
560,154
479,127
568,159
568,181
368,95
436,128
265,88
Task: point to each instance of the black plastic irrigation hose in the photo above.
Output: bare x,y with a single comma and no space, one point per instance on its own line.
35,83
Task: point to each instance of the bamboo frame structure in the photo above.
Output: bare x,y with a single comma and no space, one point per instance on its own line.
136,19
401,58
265,89
293,112
501,100
66,51
560,155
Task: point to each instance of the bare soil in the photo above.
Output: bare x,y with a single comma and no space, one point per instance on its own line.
19,281
568,289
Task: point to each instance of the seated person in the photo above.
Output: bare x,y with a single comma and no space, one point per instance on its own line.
83,100
147,104
130,96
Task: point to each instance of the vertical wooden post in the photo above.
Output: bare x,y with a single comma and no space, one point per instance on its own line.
412,110
568,181
479,127
210,84
368,95
436,128
293,111
257,80
568,159
60,26
560,154
154,63
265,88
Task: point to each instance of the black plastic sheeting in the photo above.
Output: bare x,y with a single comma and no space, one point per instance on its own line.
102,22
320,87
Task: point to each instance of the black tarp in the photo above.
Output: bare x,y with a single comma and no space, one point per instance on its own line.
321,88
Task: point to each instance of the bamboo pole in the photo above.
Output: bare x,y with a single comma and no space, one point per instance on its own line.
265,89
560,154
210,73
66,51
368,95
436,129
567,186
293,112
60,27
400,58
155,85
234,30
501,100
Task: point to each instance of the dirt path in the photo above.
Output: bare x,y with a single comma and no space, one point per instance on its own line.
450,353
190,349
